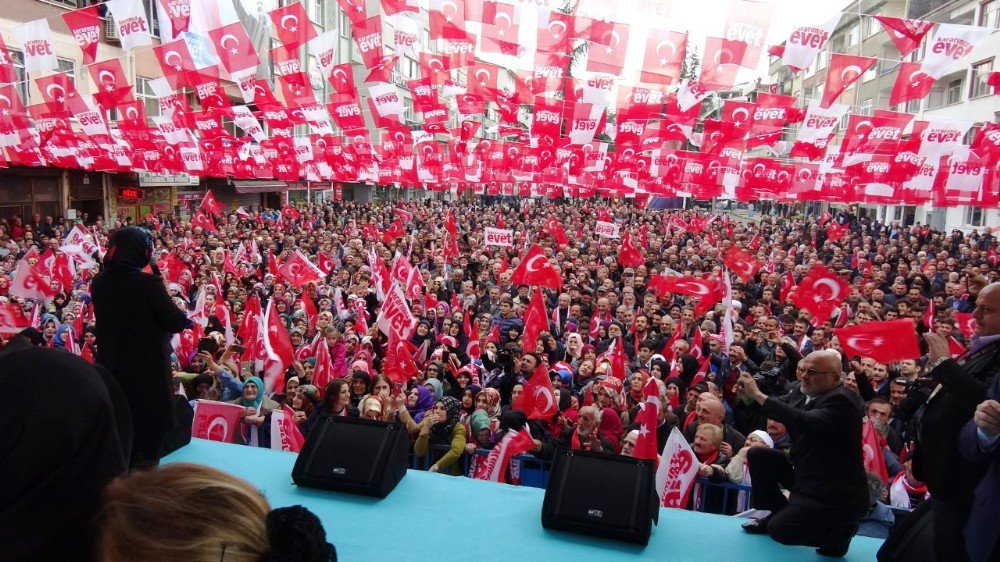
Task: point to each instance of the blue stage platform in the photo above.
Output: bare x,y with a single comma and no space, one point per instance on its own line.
436,517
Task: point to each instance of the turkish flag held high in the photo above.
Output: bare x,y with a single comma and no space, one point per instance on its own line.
216,421
741,263
649,418
820,292
292,25
885,342
629,255
536,270
538,399
535,321
844,70
299,270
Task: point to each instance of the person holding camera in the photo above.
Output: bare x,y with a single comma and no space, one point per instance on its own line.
824,470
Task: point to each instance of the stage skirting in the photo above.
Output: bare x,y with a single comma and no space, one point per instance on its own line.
437,517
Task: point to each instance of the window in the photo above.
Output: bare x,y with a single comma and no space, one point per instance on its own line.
974,216
954,92
870,74
874,26
913,106
65,66
853,35
68,3
980,73
407,110
21,75
989,14
144,92
866,107
152,16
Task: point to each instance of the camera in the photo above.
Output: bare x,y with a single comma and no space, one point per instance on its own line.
769,380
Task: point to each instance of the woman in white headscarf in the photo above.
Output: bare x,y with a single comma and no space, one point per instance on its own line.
738,470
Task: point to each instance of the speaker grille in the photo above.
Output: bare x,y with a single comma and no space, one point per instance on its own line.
350,453
599,490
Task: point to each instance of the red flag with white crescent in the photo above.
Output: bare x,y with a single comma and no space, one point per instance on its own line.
885,342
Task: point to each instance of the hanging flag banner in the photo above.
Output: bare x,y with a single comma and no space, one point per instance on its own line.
35,38
130,19
498,237
805,42
950,44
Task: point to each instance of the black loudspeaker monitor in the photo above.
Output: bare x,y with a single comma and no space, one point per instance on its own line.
601,494
353,455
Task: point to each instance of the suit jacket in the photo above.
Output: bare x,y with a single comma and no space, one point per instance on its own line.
982,532
827,454
936,459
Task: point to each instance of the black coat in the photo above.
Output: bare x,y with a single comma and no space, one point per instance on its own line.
936,459
826,450
135,320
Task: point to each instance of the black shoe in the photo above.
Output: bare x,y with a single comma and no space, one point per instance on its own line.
839,543
756,526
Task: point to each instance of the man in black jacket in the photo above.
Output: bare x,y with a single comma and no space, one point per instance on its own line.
961,386
824,470
135,320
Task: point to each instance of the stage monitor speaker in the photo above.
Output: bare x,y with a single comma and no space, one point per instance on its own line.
600,494
353,455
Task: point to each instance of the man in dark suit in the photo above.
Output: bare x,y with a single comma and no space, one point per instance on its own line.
961,386
979,442
135,320
825,468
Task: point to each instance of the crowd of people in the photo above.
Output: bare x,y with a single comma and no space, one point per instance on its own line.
472,367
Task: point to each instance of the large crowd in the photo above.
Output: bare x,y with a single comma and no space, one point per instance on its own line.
470,367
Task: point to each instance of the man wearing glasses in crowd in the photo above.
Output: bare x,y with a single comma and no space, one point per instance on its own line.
824,470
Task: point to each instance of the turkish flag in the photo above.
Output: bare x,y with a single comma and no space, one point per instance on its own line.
871,446
911,84
555,229
885,342
836,231
323,370
415,286
299,270
176,62
324,262
664,56
290,213
210,205
966,324
536,270
820,292
394,232
279,349
535,321
400,364
607,54
494,466
844,70
649,419
203,221
554,31
216,421
538,399
85,26
235,49
628,254
355,10
292,25
721,63
741,263
618,359
905,33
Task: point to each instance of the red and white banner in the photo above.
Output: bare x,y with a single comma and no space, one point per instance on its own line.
844,70
35,38
285,435
30,282
677,471
299,270
12,319
174,17
607,229
950,44
130,19
885,342
871,447
805,42
748,22
498,237
494,467
395,317
85,26
216,421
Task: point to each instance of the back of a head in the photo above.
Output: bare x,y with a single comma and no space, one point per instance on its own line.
195,513
183,512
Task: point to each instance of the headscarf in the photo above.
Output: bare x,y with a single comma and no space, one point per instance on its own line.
438,387
476,389
492,398
478,421
425,399
613,387
763,436
63,335
129,248
442,431
611,427
260,393
53,474
310,392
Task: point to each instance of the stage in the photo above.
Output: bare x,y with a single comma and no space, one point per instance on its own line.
436,517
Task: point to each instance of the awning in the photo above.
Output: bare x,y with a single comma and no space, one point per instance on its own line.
260,186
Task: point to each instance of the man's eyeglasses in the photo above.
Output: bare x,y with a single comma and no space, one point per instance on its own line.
814,372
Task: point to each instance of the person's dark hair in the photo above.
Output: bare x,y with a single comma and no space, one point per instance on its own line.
331,393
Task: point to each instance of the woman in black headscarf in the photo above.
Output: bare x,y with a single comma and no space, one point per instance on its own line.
440,427
135,320
65,437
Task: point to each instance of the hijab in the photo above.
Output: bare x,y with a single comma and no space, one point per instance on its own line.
442,431
260,393
438,387
129,248
492,397
425,399
611,427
